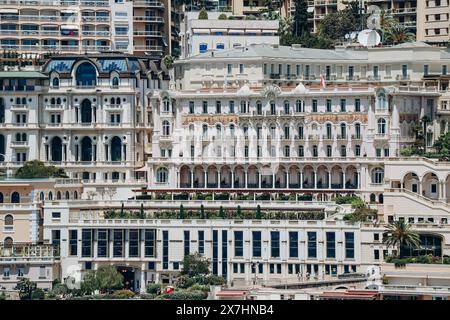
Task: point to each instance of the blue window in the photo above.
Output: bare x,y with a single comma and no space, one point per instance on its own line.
165,252
86,243
312,245
293,244
224,253
349,245
186,242
331,244
86,75
149,243
133,243
102,243
220,46
215,251
238,243
203,47
275,244
201,242
256,235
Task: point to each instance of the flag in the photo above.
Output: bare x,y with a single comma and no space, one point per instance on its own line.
322,81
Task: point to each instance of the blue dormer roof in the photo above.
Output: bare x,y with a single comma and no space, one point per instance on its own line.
108,65
60,65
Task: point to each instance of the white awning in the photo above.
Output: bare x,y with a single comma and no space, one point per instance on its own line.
69,27
9,11
253,30
235,31
200,31
68,11
218,30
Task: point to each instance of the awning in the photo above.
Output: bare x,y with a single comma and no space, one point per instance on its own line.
9,11
253,30
200,31
235,31
69,27
218,30
69,11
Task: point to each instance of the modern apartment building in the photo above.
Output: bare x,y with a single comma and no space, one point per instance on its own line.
200,36
433,21
66,26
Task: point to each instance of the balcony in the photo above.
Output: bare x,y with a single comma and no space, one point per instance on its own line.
313,137
19,144
342,137
327,137
19,107
381,136
54,107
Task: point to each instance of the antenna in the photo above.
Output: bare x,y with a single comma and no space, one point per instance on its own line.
369,38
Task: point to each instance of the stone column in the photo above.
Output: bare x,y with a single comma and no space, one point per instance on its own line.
192,179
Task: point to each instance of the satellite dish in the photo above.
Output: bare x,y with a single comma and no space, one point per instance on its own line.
369,38
347,36
310,9
353,35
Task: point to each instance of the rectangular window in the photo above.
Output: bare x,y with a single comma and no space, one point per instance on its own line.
293,244
275,244
191,107
205,106
186,242
343,105
357,105
331,244
86,243
312,245
218,107
314,105
215,247
118,243
224,253
376,254
73,242
329,105
241,68
165,253
231,106
133,243
349,245
426,68
102,243
149,242
238,244
201,242
256,241
229,68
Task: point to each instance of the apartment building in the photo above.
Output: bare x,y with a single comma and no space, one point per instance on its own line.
200,36
433,21
65,26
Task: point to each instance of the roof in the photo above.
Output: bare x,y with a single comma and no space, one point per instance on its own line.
350,295
271,51
22,74
231,293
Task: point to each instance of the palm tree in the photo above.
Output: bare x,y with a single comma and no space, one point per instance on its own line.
400,233
397,33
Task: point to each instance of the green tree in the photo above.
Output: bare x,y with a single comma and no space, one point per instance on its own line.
399,233
271,9
89,283
203,15
222,16
38,294
37,169
239,212
181,216
301,25
142,213
202,212
26,288
258,212
108,278
221,212
397,33
195,264
442,144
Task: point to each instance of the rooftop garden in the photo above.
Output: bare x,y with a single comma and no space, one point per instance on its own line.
202,213
224,196
426,259
361,213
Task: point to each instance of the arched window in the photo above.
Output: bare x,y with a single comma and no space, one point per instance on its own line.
329,130
50,196
232,130
382,126
382,101
1,197
58,195
166,105
86,111
75,195
116,149
218,129
298,106
273,107
166,128
58,101
56,151
205,129
112,101
86,149
67,195
15,197
9,222
55,82
8,243
377,175
343,131
203,47
259,107
41,196
358,130
220,46
115,82
52,101
86,75
118,101
162,175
